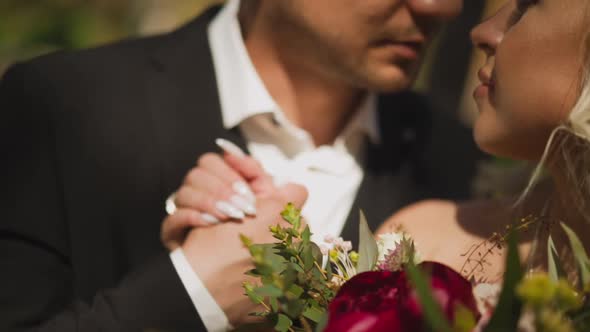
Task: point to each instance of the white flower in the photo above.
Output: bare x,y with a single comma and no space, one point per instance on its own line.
346,246
387,242
487,296
329,239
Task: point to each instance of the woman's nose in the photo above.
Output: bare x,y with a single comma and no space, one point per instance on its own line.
489,34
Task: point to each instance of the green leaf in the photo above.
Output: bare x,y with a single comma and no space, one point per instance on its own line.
580,255
255,298
314,314
434,314
507,313
368,250
246,241
274,304
283,323
289,276
295,291
292,215
322,323
269,290
307,257
294,308
306,235
555,270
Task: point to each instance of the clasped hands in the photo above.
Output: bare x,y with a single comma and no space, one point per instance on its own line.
222,197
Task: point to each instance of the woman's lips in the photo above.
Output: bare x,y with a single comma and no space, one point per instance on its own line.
487,84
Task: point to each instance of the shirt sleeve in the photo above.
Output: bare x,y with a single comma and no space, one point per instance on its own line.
211,314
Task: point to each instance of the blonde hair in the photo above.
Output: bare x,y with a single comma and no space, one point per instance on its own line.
569,144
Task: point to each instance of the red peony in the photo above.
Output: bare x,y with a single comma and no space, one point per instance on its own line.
384,301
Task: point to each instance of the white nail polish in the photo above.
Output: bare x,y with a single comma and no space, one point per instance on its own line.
209,219
230,147
242,189
243,204
170,204
230,210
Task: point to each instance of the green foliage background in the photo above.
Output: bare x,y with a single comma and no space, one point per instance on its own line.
30,28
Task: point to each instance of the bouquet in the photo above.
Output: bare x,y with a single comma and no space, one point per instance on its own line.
385,286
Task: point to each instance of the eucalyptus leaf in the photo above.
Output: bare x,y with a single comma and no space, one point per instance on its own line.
322,323
294,308
295,291
283,323
306,235
507,312
368,250
314,314
274,304
307,256
580,255
432,310
269,290
254,297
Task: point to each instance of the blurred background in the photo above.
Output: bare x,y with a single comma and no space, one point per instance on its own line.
31,28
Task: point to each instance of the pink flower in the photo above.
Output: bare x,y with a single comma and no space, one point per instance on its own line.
384,300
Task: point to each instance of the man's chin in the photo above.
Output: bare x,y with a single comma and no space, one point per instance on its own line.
390,79
390,84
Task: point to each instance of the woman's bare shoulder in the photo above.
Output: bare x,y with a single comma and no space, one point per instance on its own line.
474,216
444,231
420,214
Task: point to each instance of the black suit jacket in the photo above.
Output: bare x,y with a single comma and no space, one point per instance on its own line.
93,141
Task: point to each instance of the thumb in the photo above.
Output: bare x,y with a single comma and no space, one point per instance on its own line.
294,193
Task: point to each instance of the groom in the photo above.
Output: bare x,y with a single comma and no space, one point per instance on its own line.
94,141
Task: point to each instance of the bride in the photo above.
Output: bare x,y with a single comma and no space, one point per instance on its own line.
534,104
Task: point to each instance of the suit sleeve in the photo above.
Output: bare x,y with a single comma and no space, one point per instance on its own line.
36,277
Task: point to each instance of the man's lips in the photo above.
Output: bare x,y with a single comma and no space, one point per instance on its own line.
408,49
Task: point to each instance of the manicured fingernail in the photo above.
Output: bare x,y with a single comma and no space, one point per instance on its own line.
230,210
209,219
230,147
170,205
243,204
244,190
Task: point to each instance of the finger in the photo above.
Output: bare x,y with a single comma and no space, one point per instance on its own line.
219,194
222,209
175,226
216,165
252,171
294,193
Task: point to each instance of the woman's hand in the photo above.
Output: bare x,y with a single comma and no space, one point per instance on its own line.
219,189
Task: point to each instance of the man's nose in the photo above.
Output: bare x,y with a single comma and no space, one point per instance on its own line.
489,33
442,10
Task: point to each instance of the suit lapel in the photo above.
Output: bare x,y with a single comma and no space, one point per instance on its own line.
184,102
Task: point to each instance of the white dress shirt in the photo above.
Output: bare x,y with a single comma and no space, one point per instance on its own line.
330,173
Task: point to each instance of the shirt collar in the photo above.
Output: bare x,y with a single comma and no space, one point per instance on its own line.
241,90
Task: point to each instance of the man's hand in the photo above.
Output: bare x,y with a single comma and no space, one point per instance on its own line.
215,251
218,257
